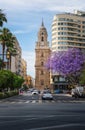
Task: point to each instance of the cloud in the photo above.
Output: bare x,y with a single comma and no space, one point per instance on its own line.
24,19
29,57
20,31
28,12
39,5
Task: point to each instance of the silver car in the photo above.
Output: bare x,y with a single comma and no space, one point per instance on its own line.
47,96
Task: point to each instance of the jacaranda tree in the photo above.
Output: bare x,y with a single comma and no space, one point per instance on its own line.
68,63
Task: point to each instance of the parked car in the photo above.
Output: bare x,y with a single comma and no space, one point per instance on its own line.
35,92
58,91
47,96
78,92
21,91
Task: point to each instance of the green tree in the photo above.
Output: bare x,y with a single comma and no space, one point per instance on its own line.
6,79
25,87
18,80
4,33
11,46
11,43
2,18
82,78
7,40
2,64
10,80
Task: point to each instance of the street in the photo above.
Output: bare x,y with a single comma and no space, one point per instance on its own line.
27,98
16,113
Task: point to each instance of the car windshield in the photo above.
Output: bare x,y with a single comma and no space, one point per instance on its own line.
47,92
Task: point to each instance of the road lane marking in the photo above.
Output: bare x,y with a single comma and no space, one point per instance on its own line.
27,101
56,126
29,118
34,101
41,101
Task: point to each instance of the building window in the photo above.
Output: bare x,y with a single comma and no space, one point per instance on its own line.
42,55
42,63
61,79
42,82
42,72
42,39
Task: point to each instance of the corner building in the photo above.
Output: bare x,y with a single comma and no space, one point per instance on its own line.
68,30
42,52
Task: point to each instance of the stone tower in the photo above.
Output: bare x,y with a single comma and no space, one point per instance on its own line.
42,52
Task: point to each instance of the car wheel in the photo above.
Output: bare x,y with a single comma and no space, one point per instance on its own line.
43,98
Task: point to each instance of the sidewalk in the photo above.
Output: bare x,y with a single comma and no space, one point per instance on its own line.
63,94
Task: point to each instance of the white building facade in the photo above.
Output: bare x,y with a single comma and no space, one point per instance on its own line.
68,30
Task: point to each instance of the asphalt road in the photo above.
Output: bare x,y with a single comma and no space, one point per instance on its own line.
27,98
41,116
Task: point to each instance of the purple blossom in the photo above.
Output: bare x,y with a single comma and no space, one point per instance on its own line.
67,62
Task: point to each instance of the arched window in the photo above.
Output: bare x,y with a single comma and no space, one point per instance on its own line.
42,63
42,39
42,82
42,72
42,54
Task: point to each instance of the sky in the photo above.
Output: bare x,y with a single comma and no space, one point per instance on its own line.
25,18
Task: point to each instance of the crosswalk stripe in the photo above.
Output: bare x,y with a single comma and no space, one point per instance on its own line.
27,101
43,101
12,102
33,101
40,101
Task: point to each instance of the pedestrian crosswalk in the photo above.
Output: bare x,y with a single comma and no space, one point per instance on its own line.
40,101
28,101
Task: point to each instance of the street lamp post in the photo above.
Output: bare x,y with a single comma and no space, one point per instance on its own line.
8,59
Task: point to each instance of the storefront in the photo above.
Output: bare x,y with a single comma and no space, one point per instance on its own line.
59,82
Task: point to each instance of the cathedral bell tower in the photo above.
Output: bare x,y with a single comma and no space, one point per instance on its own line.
42,52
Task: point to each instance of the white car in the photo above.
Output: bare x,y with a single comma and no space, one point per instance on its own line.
47,95
35,92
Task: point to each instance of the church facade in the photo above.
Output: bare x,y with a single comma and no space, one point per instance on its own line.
42,52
